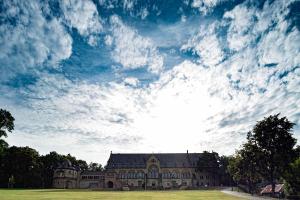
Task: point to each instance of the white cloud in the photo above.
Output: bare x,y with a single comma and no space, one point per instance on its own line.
132,50
239,33
206,45
32,41
108,40
131,81
261,42
144,13
82,15
278,46
206,6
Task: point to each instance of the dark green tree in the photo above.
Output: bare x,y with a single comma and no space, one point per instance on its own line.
6,125
244,166
208,162
81,164
292,177
95,167
225,177
77,163
23,163
49,163
235,167
274,140
6,122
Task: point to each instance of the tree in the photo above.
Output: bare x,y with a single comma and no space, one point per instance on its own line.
81,164
235,168
250,159
49,163
274,141
244,166
292,177
95,167
23,163
225,176
208,162
6,122
3,146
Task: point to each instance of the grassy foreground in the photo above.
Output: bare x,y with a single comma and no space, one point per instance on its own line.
53,194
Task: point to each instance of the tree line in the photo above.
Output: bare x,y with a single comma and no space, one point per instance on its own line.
24,167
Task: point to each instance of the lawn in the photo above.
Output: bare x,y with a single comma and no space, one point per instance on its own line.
111,195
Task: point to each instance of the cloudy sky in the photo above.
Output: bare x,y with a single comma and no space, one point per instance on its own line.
89,77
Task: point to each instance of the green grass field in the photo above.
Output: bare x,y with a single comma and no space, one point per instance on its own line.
111,195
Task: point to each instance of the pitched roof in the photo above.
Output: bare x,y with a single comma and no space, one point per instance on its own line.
268,189
167,160
66,164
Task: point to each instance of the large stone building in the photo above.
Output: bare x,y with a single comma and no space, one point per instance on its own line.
139,171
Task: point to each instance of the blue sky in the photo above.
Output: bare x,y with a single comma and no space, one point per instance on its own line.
89,77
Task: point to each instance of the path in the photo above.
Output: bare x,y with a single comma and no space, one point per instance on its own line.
245,195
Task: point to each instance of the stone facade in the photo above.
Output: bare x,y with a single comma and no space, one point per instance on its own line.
140,171
65,176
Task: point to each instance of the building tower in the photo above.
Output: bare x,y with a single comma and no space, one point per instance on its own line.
65,176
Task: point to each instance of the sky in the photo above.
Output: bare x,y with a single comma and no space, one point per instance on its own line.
90,77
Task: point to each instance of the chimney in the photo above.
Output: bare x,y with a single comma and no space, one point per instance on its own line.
187,151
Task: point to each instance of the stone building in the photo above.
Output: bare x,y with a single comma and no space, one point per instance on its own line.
142,171
65,176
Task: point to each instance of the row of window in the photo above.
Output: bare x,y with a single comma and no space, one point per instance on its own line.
91,177
175,175
154,174
131,175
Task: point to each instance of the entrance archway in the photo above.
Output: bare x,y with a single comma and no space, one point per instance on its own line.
110,184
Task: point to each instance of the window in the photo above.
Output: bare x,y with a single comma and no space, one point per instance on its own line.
140,175
153,172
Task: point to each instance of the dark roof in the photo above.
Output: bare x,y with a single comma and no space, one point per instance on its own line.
167,160
66,164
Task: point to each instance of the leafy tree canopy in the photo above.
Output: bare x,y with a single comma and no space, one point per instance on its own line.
274,140
6,122
95,167
208,162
